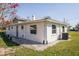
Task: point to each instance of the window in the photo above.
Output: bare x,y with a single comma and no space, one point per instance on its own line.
33,29
22,27
53,29
63,29
12,27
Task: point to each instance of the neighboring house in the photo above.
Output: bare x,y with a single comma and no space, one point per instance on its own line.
44,30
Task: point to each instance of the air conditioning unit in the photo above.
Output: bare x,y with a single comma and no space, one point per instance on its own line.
65,36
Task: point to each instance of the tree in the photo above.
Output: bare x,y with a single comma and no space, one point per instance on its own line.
77,27
7,10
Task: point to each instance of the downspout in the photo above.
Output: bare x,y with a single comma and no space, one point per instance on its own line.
16,28
60,31
16,31
45,33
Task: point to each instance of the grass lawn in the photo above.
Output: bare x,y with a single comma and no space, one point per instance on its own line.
5,42
63,48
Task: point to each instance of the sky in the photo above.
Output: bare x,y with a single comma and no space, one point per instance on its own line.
57,11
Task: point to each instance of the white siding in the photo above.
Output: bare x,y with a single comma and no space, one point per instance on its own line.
44,32
7,31
66,29
11,32
21,32
55,36
52,37
39,37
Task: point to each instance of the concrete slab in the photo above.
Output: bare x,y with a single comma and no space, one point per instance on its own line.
35,45
39,47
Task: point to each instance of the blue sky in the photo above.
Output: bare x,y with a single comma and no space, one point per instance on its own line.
57,11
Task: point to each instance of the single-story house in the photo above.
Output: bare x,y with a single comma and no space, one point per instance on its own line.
44,30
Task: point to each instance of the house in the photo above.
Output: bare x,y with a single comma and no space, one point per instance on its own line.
44,30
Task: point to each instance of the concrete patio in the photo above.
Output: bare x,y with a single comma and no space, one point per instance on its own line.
34,45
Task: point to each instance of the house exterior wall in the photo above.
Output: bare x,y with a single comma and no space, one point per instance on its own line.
51,37
44,32
11,31
25,33
7,31
66,29
21,32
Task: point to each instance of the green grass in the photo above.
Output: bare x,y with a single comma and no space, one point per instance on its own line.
5,42
63,48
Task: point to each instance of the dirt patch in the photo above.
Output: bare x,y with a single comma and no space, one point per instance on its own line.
7,51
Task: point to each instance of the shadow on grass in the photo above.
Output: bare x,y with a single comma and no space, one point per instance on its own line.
7,41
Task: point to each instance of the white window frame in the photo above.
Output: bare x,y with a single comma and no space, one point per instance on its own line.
53,29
